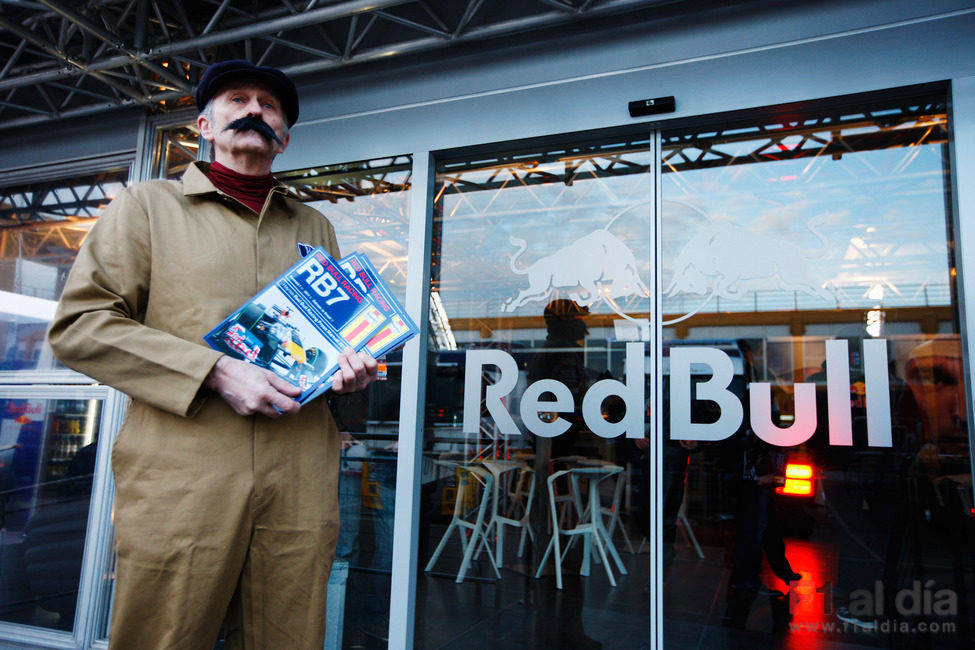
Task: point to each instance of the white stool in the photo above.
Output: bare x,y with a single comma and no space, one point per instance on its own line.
589,525
498,521
459,521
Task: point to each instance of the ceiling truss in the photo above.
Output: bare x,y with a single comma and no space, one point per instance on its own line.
60,58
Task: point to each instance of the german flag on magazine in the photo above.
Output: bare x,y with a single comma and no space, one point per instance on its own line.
297,326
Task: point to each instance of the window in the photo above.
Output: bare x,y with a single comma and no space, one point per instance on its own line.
53,509
175,148
42,225
816,466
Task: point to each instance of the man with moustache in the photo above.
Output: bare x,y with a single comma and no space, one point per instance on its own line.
226,490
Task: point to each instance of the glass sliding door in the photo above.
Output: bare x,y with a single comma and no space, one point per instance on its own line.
530,530
816,463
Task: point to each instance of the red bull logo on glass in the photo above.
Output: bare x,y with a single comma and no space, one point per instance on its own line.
595,267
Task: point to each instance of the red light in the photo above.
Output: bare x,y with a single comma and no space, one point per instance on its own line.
796,487
794,470
798,480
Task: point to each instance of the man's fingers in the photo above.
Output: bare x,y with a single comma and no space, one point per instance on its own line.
357,364
277,400
344,374
281,385
265,400
279,404
248,389
356,371
371,367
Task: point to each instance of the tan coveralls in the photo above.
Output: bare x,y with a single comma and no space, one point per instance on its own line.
215,513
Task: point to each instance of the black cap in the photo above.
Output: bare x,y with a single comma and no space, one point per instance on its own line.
564,309
219,74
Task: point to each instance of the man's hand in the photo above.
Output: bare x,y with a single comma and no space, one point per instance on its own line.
249,389
356,371
767,480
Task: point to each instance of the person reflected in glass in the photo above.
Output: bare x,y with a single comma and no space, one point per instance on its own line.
758,530
935,378
562,358
676,455
54,539
940,471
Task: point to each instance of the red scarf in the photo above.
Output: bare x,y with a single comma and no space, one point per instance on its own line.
252,191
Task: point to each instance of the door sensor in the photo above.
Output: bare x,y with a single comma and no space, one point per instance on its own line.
651,106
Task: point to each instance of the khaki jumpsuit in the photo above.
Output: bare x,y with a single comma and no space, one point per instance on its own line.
215,514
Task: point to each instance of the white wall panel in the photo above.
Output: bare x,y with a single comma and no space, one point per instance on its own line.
57,142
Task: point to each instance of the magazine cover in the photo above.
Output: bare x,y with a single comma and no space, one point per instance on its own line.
297,326
398,327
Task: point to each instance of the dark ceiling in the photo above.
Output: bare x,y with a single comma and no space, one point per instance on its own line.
63,58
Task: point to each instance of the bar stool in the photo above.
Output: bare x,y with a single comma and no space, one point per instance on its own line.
521,498
467,485
613,512
498,469
594,501
565,499
589,525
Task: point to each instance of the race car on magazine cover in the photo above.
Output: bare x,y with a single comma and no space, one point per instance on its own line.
264,337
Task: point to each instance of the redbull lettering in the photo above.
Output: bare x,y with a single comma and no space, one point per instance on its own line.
685,362
631,392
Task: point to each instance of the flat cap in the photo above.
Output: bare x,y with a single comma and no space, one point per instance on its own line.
565,309
219,74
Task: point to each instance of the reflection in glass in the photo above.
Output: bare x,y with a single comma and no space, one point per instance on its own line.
42,225
812,259
47,462
540,275
175,148
368,204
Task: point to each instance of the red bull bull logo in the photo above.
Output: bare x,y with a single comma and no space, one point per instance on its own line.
595,267
724,259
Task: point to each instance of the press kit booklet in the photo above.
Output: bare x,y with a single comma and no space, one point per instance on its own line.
398,327
297,326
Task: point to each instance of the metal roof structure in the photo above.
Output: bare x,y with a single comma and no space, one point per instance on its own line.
66,58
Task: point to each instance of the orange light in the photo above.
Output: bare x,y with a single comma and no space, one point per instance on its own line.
796,487
793,470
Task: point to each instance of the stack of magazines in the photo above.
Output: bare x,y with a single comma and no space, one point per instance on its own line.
297,326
